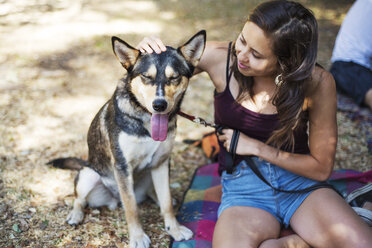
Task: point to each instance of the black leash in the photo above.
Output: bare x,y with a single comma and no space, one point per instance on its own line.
230,158
252,164
229,163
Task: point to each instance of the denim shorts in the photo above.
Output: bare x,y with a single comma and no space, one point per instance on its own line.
244,188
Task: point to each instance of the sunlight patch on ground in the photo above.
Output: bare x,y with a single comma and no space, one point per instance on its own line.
66,33
38,184
41,131
82,106
49,187
333,16
78,21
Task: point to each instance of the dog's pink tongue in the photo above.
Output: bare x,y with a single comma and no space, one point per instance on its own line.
159,127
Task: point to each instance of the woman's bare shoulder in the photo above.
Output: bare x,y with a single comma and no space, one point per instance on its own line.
214,55
217,45
322,80
323,87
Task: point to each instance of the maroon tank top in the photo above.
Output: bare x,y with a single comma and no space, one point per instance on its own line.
229,113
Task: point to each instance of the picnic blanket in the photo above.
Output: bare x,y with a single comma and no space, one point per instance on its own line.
200,204
361,115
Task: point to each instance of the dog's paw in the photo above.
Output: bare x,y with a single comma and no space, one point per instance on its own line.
180,233
113,204
140,241
75,217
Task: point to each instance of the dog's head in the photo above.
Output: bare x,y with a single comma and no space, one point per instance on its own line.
159,81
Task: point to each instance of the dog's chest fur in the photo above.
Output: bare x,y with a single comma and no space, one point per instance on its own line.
144,152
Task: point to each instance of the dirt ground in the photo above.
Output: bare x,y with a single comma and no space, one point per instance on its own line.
57,68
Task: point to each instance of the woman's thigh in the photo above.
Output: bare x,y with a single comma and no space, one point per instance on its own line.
244,227
324,219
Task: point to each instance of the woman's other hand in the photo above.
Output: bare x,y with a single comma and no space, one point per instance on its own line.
151,44
245,146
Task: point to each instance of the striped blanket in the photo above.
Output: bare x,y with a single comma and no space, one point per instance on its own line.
199,208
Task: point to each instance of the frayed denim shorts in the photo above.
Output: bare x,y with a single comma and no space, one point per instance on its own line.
244,188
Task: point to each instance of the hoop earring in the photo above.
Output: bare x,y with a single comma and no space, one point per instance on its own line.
279,80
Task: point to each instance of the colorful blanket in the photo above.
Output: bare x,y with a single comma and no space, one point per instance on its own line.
199,208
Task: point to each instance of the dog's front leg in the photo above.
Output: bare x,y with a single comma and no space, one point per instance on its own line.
160,177
137,237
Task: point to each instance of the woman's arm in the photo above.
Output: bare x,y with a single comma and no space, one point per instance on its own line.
213,60
215,53
318,164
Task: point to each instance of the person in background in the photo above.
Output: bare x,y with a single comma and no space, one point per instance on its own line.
352,54
269,87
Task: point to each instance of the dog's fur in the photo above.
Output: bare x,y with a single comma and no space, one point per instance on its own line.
126,159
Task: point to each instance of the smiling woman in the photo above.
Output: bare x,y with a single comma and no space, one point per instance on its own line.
257,55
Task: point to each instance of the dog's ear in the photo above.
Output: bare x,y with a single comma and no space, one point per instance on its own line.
193,49
125,53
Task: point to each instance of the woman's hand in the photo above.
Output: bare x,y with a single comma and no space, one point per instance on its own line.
151,44
245,146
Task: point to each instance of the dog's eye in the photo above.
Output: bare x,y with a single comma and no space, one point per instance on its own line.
145,76
175,78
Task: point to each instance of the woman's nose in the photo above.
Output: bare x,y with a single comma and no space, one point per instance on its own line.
243,56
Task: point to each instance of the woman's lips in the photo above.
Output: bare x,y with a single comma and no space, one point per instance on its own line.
242,66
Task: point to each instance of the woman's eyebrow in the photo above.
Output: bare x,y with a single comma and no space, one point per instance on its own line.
242,37
257,52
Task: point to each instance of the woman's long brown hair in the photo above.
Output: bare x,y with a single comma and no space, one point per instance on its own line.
294,32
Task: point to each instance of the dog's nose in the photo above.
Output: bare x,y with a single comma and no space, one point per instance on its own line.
159,105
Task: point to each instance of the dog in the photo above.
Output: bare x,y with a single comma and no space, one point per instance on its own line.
131,138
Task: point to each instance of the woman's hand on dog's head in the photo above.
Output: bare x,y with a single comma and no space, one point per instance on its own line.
151,44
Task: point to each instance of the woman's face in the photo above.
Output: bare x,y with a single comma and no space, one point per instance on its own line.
254,52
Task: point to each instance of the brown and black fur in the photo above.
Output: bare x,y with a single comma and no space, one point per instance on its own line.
124,163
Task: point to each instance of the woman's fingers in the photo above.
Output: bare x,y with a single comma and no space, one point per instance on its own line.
225,137
224,140
145,48
226,144
160,44
245,145
151,44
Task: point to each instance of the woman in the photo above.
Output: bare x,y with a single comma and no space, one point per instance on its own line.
272,89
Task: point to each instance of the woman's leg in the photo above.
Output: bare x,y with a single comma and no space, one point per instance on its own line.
290,241
368,98
244,227
324,219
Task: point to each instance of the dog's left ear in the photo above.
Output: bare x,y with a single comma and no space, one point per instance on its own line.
125,53
193,49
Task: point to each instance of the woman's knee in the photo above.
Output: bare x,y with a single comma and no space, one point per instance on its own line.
350,236
293,241
333,223
270,243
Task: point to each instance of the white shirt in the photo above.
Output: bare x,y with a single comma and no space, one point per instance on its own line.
354,40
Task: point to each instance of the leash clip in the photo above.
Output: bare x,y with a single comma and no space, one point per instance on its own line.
197,119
